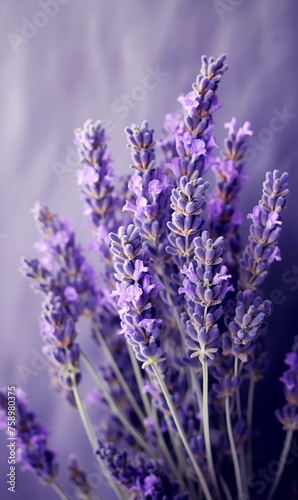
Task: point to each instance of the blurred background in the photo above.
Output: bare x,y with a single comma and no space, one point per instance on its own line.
64,61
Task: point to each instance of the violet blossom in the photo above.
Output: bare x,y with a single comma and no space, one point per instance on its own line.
97,185
288,416
262,249
245,320
230,172
136,291
206,284
31,440
151,189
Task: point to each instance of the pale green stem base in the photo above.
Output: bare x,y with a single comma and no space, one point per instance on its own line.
59,491
181,432
118,374
206,429
139,379
164,449
225,486
282,463
116,410
197,389
92,438
239,415
233,449
249,425
180,456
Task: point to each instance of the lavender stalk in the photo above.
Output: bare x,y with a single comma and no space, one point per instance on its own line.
183,438
125,422
92,438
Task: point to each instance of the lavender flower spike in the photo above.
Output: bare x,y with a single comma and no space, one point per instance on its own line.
136,291
206,284
229,176
290,380
32,451
245,321
95,181
249,316
265,229
58,333
65,267
79,478
151,188
202,101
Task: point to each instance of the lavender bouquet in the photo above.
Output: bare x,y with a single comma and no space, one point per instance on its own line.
175,307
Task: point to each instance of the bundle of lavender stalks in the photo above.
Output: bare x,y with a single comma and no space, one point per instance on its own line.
176,313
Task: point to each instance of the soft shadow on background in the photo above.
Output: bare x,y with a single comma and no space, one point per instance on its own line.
78,65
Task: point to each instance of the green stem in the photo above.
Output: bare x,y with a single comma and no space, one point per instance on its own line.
118,374
92,437
174,309
238,401
164,449
237,372
186,247
197,387
249,424
206,428
180,457
225,487
96,494
139,379
282,463
233,450
116,410
177,317
181,432
59,491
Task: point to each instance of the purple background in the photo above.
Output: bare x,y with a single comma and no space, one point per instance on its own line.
87,56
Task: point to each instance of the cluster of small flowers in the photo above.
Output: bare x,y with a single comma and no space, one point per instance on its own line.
230,172
96,181
146,478
206,284
136,292
262,249
31,445
151,189
288,416
68,283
